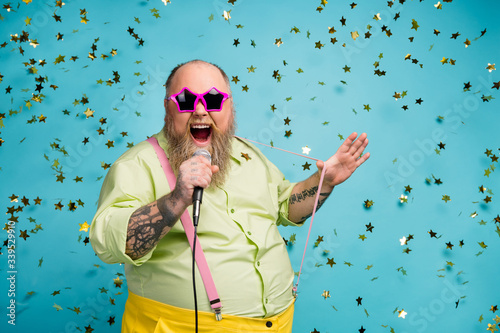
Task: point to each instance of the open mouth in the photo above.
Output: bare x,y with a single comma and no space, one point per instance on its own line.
201,133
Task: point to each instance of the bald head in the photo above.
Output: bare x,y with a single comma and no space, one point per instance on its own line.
178,70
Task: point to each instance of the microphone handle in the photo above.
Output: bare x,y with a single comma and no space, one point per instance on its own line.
197,195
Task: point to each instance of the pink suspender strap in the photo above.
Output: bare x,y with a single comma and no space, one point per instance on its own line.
201,261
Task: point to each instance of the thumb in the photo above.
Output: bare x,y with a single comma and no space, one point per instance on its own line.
320,165
214,168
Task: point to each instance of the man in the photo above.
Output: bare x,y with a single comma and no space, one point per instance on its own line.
245,198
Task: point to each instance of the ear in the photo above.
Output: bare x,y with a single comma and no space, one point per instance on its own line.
165,101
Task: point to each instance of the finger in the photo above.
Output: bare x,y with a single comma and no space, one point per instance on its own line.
214,169
202,180
362,159
360,149
205,176
201,159
346,145
320,165
200,164
358,143
196,173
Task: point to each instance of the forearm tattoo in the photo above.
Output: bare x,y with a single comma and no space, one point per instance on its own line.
307,193
148,224
299,197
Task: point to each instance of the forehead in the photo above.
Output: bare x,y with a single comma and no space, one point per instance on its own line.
198,77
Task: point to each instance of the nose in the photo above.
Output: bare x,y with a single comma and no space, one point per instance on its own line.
200,110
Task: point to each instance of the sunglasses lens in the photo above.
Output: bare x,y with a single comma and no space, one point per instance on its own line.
186,100
214,99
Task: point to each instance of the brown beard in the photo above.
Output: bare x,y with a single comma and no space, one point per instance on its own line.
182,148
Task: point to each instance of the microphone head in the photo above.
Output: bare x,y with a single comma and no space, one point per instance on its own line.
204,153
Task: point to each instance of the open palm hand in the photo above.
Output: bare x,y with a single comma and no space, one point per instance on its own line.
345,161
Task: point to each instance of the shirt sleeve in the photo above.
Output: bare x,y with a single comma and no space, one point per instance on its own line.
285,188
127,186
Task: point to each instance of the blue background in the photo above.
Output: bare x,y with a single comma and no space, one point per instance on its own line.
426,283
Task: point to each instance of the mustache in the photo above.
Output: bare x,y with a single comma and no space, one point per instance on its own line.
209,122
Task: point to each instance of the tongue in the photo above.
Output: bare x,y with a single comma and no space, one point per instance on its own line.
200,133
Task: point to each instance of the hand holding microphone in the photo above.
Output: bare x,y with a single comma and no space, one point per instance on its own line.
194,175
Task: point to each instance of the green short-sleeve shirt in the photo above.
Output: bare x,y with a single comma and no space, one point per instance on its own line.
237,230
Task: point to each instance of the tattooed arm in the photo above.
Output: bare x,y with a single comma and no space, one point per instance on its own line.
150,223
339,167
301,202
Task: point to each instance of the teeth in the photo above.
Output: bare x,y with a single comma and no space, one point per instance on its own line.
200,126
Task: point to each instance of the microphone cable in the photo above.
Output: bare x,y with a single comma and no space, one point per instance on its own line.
194,278
197,195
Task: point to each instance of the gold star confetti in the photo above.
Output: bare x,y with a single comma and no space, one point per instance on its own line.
368,203
490,67
330,262
118,282
59,59
84,226
414,25
24,234
89,113
492,328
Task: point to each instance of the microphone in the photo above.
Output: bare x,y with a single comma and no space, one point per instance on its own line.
198,191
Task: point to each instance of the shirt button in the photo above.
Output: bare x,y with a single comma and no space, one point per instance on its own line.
258,263
267,300
269,324
232,210
250,233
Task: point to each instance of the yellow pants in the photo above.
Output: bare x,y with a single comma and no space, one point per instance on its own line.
143,315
